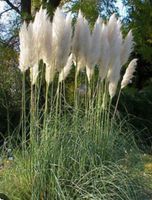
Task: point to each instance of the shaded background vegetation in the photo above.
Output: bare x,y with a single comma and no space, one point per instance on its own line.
136,100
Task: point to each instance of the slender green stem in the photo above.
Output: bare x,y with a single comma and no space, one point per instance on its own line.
75,116
52,99
117,102
89,109
23,114
75,91
57,108
32,114
46,105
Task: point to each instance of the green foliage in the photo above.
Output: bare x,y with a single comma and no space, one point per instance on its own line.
10,90
92,8
50,5
141,23
139,18
138,104
35,5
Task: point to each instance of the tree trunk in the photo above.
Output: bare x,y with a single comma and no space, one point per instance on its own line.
54,3
50,5
26,9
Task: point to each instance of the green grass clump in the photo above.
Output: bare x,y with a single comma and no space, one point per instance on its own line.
71,163
73,151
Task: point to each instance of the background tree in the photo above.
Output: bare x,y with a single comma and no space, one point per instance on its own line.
139,92
92,8
139,18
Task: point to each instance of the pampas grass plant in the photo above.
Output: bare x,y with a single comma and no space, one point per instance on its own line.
75,151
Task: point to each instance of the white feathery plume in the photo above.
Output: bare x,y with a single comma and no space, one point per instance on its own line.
114,26
66,70
119,24
129,73
111,25
26,43
89,71
62,34
104,54
95,44
81,41
73,59
39,33
49,73
46,50
78,36
112,89
115,38
115,41
84,46
39,37
34,71
127,48
68,37
114,77
23,58
94,49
